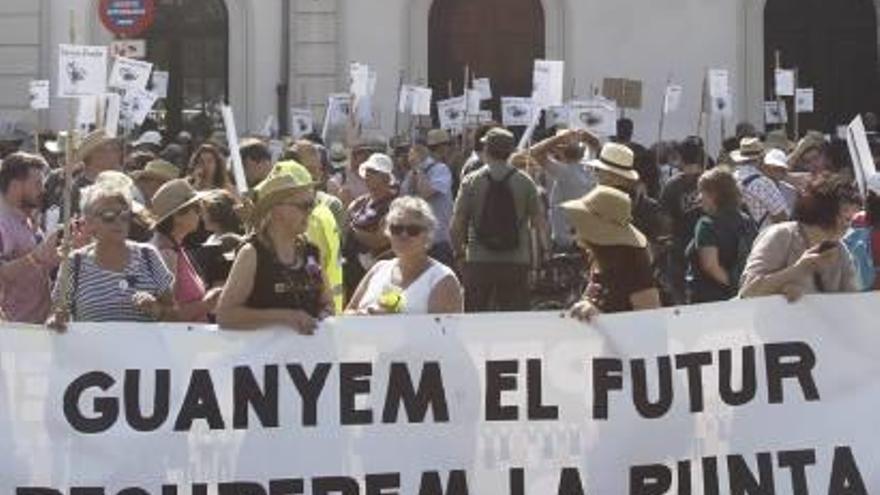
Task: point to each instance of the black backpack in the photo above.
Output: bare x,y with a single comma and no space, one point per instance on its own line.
498,226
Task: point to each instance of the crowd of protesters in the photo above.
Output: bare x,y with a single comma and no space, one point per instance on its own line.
159,231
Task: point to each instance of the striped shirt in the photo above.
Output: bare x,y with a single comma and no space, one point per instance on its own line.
105,295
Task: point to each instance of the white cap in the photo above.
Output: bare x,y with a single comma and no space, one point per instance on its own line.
149,137
380,162
874,183
776,158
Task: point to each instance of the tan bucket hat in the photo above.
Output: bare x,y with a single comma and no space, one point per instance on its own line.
92,142
285,179
750,150
616,159
437,137
604,217
173,197
160,170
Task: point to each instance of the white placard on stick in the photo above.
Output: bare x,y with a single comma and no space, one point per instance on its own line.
128,48
38,92
452,113
804,101
483,85
159,83
597,115
672,98
82,71
548,83
860,153
473,102
775,113
422,100
234,151
516,111
557,116
360,80
112,112
86,112
129,73
784,80
720,101
405,99
136,105
302,122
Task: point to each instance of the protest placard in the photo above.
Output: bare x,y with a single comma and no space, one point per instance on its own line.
159,83
720,100
135,106
860,153
804,100
557,116
302,122
517,111
452,113
784,82
82,71
483,85
241,184
596,115
129,73
775,113
548,79
38,95
672,98
112,113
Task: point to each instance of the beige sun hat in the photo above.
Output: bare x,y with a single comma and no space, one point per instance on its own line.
379,162
604,217
173,197
776,158
616,159
750,150
160,170
285,179
437,137
91,143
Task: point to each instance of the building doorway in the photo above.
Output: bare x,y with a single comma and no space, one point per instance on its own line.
834,46
498,39
190,40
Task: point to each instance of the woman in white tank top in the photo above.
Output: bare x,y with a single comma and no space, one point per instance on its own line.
411,283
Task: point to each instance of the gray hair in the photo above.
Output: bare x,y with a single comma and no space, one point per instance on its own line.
413,206
109,184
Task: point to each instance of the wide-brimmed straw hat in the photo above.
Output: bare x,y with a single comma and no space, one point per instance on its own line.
379,162
173,197
776,158
616,159
159,170
604,217
750,150
92,142
285,179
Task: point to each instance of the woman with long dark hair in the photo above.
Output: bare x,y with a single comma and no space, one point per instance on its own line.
207,169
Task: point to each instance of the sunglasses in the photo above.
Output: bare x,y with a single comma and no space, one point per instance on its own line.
111,216
304,206
410,230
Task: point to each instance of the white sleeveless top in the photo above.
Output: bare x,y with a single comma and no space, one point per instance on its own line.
415,297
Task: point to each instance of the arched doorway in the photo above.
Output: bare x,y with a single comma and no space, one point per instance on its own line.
498,39
190,40
834,46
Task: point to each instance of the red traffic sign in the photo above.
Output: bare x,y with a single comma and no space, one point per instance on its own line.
127,17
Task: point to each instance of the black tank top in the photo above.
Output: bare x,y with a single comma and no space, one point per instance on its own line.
278,286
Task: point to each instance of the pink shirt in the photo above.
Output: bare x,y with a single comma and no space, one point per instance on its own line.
27,298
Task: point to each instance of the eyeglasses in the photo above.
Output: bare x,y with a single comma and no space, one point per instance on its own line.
410,230
304,206
111,216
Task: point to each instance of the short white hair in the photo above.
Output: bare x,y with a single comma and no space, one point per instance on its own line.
109,184
412,206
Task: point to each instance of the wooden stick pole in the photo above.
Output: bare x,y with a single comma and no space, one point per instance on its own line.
797,115
63,303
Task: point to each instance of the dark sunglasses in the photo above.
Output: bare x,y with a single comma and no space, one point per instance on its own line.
111,216
305,206
410,230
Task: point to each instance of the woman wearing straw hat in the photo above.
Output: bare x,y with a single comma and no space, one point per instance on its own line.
177,209
276,278
622,275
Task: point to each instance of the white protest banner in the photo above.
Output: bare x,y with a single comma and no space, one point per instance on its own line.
672,98
860,153
804,100
159,83
360,79
129,73
483,85
596,115
406,99
82,71
517,111
337,114
234,152
472,98
136,105
452,113
784,82
485,116
86,112
302,122
38,94
548,83
719,93
112,114
774,113
745,397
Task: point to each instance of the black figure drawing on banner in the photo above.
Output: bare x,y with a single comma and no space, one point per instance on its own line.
76,73
302,126
453,114
720,105
590,119
517,111
127,74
